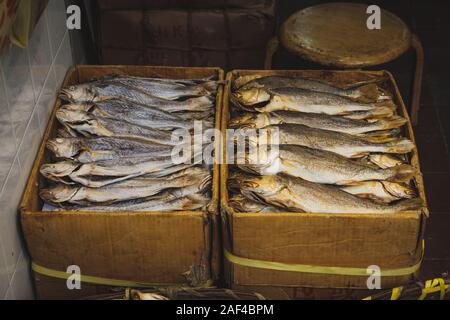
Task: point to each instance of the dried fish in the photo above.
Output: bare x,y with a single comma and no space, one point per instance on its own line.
296,194
320,166
125,111
367,92
136,188
314,120
294,99
341,143
102,91
104,148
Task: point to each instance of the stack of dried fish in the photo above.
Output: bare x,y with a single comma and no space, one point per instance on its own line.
114,150
338,150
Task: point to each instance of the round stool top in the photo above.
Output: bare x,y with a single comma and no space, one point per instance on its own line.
337,34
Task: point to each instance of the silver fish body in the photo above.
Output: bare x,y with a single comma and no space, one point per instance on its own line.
103,91
170,90
321,166
296,194
92,126
136,188
87,150
315,120
293,99
341,143
136,114
187,203
102,173
367,92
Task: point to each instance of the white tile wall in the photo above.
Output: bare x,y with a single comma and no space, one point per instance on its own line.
28,81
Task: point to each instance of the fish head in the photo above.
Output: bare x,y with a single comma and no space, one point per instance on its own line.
81,92
68,115
399,190
242,181
64,147
252,96
58,169
58,193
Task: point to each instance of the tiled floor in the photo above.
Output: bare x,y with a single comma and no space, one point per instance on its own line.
431,22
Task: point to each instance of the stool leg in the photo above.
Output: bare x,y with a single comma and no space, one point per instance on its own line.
271,48
417,86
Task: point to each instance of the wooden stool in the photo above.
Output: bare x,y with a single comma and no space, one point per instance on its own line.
336,34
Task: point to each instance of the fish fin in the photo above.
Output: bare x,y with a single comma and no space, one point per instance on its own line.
402,173
408,204
372,197
378,137
350,183
387,104
253,169
205,183
400,146
375,113
359,155
391,123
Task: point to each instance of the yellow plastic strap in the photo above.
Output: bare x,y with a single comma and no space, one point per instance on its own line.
305,268
261,264
435,285
396,292
104,281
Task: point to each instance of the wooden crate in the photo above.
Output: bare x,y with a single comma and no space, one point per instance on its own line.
144,247
317,239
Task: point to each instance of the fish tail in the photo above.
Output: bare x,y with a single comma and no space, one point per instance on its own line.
387,104
200,103
390,123
400,146
375,113
379,137
211,86
369,91
402,173
409,204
